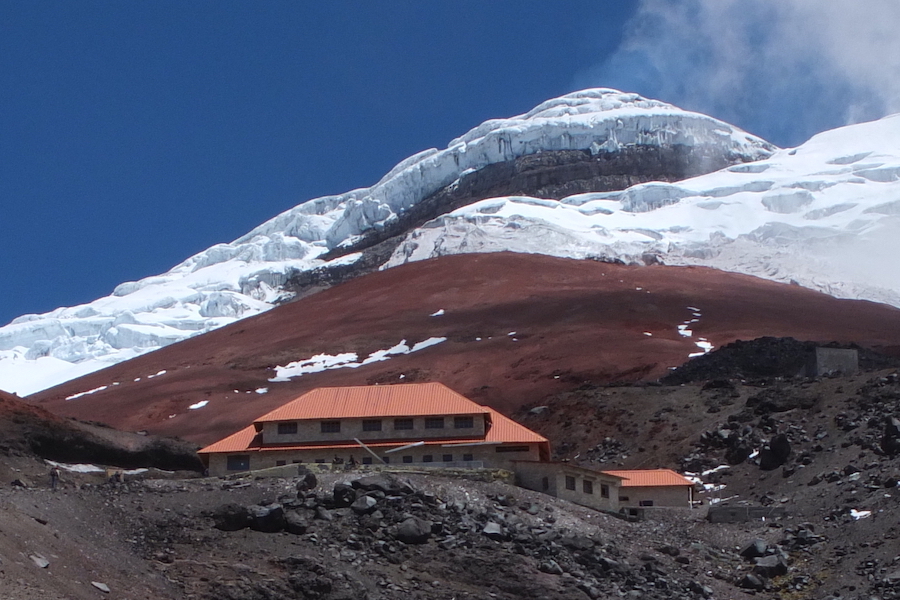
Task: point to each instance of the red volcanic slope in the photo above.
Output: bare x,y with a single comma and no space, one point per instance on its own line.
574,321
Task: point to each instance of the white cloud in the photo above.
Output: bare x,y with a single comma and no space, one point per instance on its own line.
783,70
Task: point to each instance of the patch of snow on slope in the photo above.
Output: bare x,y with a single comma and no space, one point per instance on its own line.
93,391
346,360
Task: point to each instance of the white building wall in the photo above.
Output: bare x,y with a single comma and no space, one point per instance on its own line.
483,455
311,430
679,496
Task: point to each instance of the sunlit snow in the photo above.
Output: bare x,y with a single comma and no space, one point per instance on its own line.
346,360
93,391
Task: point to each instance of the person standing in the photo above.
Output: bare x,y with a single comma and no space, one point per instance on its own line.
54,477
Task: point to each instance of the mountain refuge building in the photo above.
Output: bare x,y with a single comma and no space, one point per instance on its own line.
415,424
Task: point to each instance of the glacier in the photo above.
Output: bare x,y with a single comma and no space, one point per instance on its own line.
824,215
819,215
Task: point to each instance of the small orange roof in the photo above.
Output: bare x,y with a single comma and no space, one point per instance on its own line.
401,400
650,478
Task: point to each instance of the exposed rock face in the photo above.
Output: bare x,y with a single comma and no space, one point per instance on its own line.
548,174
25,428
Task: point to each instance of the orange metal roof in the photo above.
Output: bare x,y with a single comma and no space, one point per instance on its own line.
651,478
235,442
503,431
401,400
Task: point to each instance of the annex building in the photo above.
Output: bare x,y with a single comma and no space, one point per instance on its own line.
421,424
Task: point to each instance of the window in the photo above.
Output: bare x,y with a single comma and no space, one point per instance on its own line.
468,457
280,463
604,490
403,424
447,458
320,460
428,458
238,462
511,448
287,428
623,498
463,422
367,460
331,426
407,459
545,483
587,486
645,503
387,460
570,482
372,425
296,462
434,422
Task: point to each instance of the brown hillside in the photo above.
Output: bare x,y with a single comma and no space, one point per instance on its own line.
574,322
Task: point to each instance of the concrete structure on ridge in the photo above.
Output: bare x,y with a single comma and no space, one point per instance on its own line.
653,487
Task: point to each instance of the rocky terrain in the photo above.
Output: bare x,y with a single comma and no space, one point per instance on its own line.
824,450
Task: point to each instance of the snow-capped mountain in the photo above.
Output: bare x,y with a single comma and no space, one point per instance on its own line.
825,215
815,214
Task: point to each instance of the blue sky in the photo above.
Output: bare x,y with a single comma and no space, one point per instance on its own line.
135,134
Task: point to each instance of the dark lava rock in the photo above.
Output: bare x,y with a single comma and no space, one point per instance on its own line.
344,495
551,567
295,523
755,549
775,454
308,479
738,453
231,517
364,505
388,484
413,531
493,531
771,566
268,519
752,582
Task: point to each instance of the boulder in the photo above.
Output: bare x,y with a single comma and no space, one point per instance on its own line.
755,549
493,531
382,482
550,566
775,453
738,453
364,505
344,495
771,566
268,519
413,531
752,582
231,517
324,514
295,523
308,479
